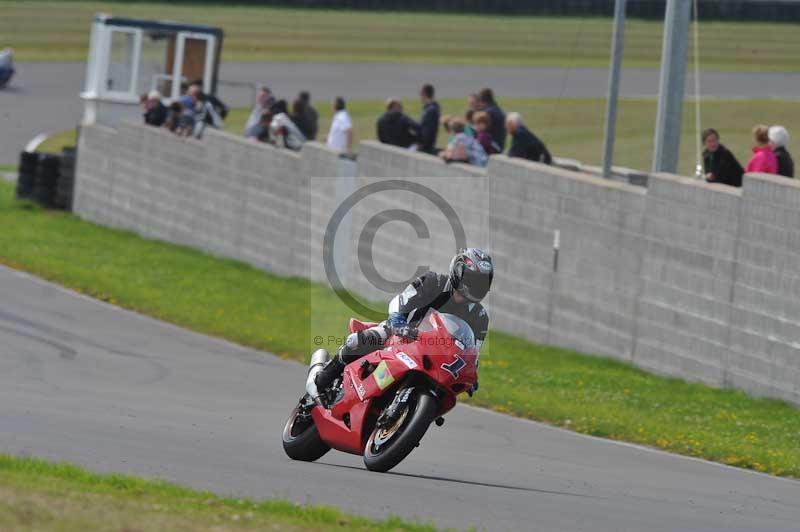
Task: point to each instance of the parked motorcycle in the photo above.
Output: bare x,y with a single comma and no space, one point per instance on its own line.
383,403
6,66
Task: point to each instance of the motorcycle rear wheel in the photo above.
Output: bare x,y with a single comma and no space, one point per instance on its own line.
398,444
301,439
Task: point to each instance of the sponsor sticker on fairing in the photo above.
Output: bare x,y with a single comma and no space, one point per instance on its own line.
383,377
356,383
407,360
360,390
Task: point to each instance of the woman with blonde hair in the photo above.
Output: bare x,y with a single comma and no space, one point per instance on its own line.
763,160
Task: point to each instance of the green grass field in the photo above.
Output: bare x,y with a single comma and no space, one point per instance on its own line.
269,34
229,299
42,497
573,128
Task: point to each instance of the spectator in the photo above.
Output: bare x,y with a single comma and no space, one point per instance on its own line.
200,110
487,103
720,164
462,147
469,124
525,144
778,139
191,97
340,135
446,119
483,124
174,114
155,112
261,130
763,160
283,132
6,66
264,101
429,123
305,116
472,102
396,128
213,110
191,104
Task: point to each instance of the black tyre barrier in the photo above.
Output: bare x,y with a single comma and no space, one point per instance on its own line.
66,183
44,189
47,179
26,174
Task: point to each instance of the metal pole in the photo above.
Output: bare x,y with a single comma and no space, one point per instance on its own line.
613,87
671,86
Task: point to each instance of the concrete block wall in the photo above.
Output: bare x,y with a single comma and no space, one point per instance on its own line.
764,346
596,286
522,223
687,277
225,195
682,278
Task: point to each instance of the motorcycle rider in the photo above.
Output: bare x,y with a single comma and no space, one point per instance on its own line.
458,293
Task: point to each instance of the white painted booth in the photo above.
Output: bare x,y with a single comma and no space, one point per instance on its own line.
129,58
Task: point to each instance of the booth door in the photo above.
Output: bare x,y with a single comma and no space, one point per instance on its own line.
193,61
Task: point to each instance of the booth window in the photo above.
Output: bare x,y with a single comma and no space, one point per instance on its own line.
155,66
121,62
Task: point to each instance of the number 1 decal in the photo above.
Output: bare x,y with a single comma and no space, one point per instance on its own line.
455,366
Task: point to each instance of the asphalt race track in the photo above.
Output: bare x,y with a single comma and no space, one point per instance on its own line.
89,383
43,97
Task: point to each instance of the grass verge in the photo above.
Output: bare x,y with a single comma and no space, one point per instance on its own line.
229,299
41,496
572,127
289,34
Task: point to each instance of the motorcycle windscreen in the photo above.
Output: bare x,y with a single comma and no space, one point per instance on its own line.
456,327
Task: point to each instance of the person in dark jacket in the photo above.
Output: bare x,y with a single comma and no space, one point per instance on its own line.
305,116
778,139
155,112
429,123
525,144
396,128
719,163
487,103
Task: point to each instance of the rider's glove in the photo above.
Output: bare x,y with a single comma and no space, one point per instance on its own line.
407,332
397,320
472,389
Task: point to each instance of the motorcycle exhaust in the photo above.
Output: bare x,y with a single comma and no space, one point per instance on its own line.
318,361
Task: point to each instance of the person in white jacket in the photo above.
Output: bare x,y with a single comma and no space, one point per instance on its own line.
283,131
340,136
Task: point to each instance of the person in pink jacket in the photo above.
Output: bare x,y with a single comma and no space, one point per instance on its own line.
763,160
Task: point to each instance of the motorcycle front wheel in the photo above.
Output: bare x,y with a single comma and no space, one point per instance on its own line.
301,439
388,446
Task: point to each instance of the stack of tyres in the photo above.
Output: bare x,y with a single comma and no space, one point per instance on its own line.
44,190
26,177
66,180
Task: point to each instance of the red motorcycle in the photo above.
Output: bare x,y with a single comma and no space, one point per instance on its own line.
384,402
